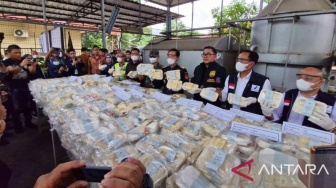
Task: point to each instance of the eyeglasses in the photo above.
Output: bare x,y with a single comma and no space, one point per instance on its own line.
134,54
207,55
307,77
171,55
152,56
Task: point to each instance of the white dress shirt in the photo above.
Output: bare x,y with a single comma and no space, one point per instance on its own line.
240,87
296,117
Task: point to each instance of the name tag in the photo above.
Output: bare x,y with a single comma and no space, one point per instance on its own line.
255,88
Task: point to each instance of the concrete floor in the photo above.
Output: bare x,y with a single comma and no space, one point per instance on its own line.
30,155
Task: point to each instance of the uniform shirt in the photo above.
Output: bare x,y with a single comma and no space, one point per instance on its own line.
93,65
212,76
72,69
241,84
19,80
296,117
183,74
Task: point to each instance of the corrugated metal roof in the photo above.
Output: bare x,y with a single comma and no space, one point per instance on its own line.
85,13
172,3
288,6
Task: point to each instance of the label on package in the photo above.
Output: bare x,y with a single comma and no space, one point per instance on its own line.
256,131
170,155
222,114
216,160
121,154
161,97
308,107
189,103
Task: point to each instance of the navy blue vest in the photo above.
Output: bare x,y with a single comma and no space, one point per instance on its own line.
257,80
290,97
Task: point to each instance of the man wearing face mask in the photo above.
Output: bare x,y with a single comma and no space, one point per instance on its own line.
121,64
209,74
154,57
173,57
56,68
309,83
246,83
135,56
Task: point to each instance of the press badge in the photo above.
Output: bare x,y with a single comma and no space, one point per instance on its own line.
255,88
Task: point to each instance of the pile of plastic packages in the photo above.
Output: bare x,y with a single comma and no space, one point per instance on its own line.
180,146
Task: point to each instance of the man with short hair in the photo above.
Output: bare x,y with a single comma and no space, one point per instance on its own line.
154,57
20,97
309,83
74,64
128,56
85,59
56,67
95,61
209,74
173,56
135,56
245,83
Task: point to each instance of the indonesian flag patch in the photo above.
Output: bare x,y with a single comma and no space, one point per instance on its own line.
287,102
232,86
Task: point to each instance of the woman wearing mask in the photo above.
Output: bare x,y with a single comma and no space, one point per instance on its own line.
121,65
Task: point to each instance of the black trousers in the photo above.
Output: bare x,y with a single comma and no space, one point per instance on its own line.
5,174
21,102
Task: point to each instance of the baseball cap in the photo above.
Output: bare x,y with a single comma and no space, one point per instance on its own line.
154,53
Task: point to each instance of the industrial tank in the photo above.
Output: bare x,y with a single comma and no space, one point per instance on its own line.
296,34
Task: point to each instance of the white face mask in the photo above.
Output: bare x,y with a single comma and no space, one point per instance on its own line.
152,60
170,61
34,56
135,58
56,63
119,59
240,67
303,85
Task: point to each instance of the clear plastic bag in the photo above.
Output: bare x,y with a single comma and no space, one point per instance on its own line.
175,158
182,142
155,168
191,177
238,138
280,146
214,127
227,146
192,129
123,124
216,165
111,141
304,143
171,122
114,157
149,142
170,182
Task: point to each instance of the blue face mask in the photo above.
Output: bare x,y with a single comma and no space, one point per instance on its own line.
56,63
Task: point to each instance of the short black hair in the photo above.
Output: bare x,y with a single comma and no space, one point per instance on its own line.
211,48
135,49
253,56
128,52
95,46
104,50
84,49
13,47
71,50
177,52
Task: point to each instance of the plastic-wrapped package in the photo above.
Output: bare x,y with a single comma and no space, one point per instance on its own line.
173,75
149,142
109,114
192,129
111,141
155,168
157,74
246,121
216,165
170,182
136,134
175,158
182,142
81,126
145,69
174,85
208,94
252,172
247,150
132,74
229,147
307,106
264,143
304,143
191,177
152,106
275,159
139,117
272,96
237,100
273,126
238,138
99,105
188,86
171,122
214,127
114,157
124,124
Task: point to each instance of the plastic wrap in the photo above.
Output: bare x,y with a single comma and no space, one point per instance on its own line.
264,143
145,69
192,129
247,122
155,168
208,94
271,96
123,124
304,143
238,138
151,141
174,85
248,150
173,75
214,127
114,157
307,106
171,122
191,177
273,126
227,146
182,142
175,158
132,74
188,86
216,165
170,182
111,141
